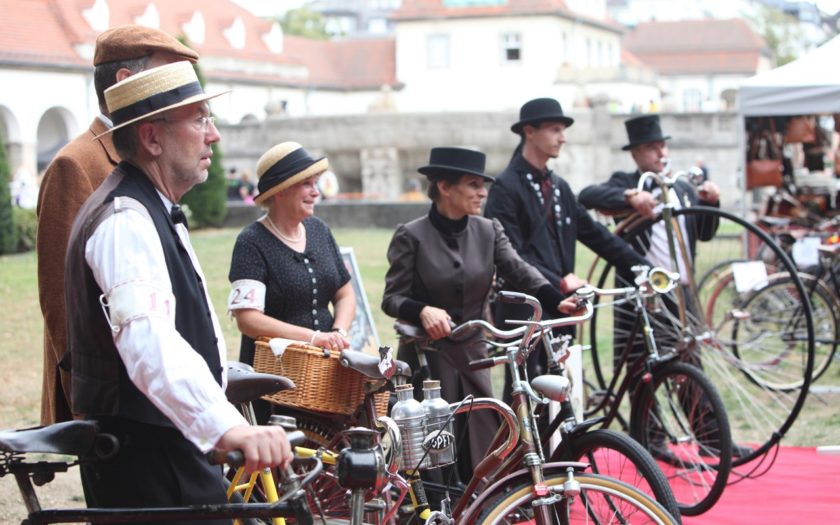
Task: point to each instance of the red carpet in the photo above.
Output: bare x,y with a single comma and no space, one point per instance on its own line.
801,488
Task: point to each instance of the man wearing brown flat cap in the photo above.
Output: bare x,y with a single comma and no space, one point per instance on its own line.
75,172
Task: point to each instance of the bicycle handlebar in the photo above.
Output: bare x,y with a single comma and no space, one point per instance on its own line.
236,459
665,178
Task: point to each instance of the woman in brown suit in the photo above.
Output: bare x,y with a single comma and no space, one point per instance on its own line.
441,270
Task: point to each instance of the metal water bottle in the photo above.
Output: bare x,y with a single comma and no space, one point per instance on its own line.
411,420
440,437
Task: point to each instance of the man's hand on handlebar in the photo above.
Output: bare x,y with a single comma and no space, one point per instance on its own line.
570,282
642,201
436,322
262,446
709,192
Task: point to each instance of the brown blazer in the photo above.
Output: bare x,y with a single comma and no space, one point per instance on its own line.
76,171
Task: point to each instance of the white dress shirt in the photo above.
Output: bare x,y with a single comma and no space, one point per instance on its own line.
161,364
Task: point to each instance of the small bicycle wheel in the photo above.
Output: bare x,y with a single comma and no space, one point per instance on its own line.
599,500
679,417
699,316
619,456
772,316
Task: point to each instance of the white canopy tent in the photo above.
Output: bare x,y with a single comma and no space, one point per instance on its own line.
807,86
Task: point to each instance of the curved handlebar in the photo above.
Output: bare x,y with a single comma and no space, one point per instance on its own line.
665,178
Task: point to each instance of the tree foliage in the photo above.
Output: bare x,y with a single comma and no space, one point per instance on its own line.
8,230
303,22
207,202
782,33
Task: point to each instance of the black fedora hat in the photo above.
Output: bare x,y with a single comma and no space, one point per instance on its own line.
644,129
540,110
455,161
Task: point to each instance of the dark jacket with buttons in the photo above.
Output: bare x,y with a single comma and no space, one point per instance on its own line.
551,248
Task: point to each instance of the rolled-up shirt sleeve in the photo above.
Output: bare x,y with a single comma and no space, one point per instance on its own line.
125,248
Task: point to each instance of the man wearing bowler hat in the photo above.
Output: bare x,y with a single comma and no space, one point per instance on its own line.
541,215
77,170
148,356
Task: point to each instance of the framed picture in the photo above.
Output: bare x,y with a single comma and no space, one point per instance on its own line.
362,333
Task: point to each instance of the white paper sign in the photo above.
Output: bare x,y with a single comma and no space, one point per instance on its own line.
805,252
278,345
749,275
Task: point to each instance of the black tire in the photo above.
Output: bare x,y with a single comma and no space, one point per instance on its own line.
601,500
679,417
760,415
616,455
774,310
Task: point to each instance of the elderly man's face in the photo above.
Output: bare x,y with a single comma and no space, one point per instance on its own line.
650,156
187,134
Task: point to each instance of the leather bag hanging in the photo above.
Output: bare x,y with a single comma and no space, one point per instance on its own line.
764,159
800,129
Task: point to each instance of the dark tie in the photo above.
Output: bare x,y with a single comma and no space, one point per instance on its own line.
177,215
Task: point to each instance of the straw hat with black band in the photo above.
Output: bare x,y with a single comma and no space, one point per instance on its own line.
283,166
152,92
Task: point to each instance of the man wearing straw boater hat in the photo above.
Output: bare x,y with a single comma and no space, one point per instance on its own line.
146,348
541,215
77,170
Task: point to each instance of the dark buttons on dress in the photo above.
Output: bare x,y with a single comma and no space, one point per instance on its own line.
457,264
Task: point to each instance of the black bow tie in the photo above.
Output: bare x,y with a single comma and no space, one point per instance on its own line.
177,215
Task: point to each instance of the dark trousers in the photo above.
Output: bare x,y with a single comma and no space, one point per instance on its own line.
155,467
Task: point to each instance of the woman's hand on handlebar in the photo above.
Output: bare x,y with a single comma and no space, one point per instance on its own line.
262,446
571,306
436,322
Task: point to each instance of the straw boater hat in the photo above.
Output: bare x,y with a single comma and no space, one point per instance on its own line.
285,165
152,92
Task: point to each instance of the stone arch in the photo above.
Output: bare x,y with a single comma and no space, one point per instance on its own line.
56,128
12,138
249,118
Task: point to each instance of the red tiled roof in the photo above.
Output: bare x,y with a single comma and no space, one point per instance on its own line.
435,9
696,46
33,33
45,31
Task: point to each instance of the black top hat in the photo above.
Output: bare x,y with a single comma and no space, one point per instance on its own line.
540,110
455,161
644,129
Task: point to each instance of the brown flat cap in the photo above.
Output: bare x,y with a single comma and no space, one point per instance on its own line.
133,41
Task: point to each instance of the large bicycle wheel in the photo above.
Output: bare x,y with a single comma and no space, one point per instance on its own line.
600,500
679,417
772,314
759,414
619,456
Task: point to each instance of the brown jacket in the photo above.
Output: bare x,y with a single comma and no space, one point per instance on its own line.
77,170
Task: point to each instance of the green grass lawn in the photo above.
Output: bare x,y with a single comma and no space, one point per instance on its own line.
21,326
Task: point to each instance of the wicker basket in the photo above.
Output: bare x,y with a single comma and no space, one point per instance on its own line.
321,383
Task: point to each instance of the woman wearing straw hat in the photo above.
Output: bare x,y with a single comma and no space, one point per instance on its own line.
286,268
441,270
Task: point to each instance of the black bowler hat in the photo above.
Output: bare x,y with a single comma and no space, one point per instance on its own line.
540,110
644,129
455,161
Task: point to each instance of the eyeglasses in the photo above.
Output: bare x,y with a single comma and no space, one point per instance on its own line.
203,122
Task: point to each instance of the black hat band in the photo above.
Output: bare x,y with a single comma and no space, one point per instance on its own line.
289,166
156,102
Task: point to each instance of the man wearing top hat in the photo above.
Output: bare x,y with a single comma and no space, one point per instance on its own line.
148,356
649,149
77,170
541,215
